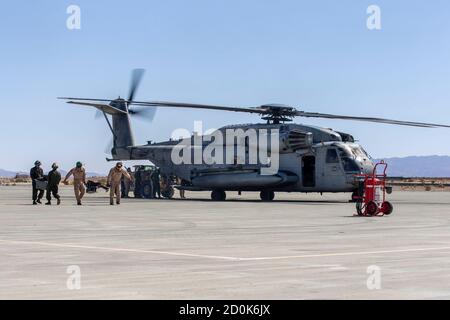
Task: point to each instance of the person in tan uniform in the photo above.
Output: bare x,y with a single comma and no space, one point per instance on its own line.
79,181
114,182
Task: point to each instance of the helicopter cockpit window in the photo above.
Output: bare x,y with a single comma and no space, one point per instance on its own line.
332,156
357,152
365,152
348,161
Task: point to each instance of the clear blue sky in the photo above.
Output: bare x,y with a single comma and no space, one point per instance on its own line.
314,55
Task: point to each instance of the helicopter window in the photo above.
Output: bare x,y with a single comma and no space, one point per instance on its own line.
350,165
360,152
348,162
357,152
365,152
332,156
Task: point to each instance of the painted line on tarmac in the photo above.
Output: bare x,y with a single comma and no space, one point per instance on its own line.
75,246
192,255
342,254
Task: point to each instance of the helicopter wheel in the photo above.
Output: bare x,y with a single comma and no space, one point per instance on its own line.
356,196
168,192
218,195
147,190
267,195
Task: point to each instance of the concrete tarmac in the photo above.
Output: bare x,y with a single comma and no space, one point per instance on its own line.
301,246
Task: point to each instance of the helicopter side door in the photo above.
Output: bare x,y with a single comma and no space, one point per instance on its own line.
309,171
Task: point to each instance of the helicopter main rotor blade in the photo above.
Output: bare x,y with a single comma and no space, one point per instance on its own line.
86,99
268,110
290,113
197,106
103,107
174,105
369,119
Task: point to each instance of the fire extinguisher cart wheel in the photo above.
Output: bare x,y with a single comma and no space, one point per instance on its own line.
387,208
371,208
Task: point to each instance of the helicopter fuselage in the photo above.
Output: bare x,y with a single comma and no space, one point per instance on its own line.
310,159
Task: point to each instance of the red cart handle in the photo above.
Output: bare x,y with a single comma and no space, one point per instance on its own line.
381,163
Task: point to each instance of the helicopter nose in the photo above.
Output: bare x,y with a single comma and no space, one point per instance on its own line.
367,167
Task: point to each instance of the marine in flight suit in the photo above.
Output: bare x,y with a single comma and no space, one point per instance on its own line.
79,181
114,182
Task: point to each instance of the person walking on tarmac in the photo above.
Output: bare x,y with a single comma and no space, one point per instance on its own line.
156,184
36,173
79,181
114,181
53,178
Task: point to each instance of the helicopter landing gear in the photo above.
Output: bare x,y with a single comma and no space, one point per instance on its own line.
218,195
356,195
267,195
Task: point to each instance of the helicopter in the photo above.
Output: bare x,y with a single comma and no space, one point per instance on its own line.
289,157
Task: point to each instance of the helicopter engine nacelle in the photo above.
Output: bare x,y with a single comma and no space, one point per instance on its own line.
294,140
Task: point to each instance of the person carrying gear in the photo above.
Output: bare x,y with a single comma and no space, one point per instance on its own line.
79,180
114,181
156,184
54,178
36,173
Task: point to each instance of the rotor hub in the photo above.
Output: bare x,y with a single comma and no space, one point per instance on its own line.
277,113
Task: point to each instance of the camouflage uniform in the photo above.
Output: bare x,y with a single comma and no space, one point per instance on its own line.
54,178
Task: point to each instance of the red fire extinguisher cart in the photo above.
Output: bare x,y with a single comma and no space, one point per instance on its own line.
373,200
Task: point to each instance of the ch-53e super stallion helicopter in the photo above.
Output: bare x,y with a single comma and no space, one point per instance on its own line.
289,157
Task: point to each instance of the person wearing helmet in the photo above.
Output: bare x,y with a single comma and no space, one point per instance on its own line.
114,178
79,181
53,178
36,173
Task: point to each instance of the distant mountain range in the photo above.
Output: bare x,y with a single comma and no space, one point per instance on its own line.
12,174
419,166
415,166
